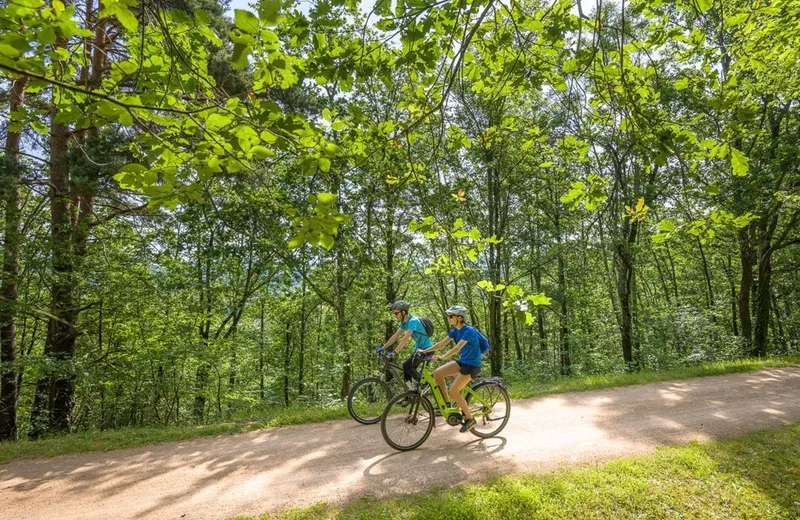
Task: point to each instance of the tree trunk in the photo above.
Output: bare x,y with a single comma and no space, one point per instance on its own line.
63,324
763,297
341,324
261,355
626,276
10,276
565,361
707,276
287,355
745,286
302,354
495,254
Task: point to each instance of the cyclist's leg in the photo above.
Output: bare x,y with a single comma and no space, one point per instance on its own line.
409,372
456,386
446,370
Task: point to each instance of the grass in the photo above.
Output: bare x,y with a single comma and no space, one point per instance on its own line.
130,437
755,477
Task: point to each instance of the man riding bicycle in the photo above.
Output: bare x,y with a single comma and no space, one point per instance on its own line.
412,327
468,366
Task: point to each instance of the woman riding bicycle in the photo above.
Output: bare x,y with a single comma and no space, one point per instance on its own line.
412,326
468,366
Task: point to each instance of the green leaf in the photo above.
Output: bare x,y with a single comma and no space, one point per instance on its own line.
704,5
268,10
245,21
261,152
327,198
539,299
240,55
666,225
123,14
297,241
326,241
9,51
739,162
133,168
217,121
324,164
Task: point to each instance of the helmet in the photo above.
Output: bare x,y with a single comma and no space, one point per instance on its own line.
401,305
458,310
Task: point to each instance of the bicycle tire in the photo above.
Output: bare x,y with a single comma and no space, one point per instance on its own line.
368,408
495,394
401,418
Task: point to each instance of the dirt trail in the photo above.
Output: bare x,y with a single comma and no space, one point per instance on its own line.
258,472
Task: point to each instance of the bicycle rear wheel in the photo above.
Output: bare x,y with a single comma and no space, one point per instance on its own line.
407,421
491,410
367,400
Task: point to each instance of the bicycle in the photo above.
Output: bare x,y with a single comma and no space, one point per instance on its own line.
409,417
368,397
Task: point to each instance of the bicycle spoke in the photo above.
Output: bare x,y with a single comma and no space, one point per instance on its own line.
490,405
406,423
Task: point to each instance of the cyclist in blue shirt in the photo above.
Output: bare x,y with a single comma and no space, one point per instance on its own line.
410,327
468,366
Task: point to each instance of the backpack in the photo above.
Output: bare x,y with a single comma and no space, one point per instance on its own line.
483,343
428,324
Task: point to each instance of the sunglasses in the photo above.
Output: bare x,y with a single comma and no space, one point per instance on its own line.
451,316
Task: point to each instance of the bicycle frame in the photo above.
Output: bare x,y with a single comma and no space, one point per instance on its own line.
388,366
427,377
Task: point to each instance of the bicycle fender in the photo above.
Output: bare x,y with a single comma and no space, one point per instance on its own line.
497,380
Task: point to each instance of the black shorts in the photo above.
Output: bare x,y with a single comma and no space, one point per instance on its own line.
469,370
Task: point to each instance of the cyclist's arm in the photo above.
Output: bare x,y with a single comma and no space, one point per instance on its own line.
437,346
403,341
390,341
455,350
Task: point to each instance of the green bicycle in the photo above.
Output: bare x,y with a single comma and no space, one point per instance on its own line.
409,417
368,397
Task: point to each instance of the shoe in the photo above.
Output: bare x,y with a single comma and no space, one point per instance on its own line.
425,390
410,385
467,426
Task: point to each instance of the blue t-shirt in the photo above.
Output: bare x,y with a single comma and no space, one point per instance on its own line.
471,353
421,339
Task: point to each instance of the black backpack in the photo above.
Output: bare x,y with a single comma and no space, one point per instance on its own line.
428,324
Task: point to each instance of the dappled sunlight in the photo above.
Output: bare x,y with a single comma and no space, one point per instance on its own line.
341,461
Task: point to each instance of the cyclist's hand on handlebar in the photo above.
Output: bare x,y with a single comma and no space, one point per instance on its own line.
435,358
390,354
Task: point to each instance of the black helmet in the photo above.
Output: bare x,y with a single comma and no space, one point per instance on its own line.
401,305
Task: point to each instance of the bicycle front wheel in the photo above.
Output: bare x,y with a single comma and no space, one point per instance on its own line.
491,408
367,400
407,421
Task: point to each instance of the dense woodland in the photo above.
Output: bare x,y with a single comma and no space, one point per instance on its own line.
206,213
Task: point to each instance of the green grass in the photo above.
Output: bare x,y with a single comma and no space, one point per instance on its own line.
130,437
756,477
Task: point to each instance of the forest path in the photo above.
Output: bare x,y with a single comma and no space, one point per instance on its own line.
271,470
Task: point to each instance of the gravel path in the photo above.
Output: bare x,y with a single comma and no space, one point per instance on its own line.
257,472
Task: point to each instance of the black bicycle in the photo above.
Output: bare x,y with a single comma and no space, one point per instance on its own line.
369,396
